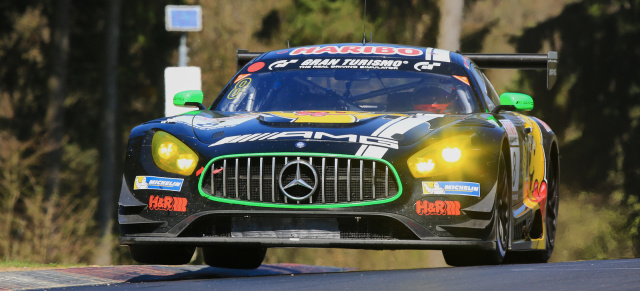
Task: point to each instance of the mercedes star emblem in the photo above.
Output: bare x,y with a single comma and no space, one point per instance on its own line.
301,184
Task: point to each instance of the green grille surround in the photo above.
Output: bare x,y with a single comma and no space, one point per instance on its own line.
297,206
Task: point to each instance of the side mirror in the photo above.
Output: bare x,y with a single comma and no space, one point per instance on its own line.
514,102
189,98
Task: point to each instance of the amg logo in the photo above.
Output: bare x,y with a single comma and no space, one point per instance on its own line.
310,135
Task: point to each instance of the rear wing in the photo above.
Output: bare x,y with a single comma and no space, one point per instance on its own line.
243,57
547,61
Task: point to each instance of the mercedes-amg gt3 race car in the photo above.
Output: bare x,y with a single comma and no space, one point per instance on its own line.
368,146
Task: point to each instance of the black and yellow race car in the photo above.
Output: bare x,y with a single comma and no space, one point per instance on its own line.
368,146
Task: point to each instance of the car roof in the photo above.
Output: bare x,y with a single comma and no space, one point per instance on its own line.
381,50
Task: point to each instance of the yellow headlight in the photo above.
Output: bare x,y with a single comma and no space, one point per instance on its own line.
167,150
438,158
186,162
451,155
172,155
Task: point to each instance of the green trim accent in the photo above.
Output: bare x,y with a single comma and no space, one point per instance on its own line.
294,206
521,102
492,118
194,112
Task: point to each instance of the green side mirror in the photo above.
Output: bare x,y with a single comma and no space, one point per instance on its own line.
522,102
189,98
514,102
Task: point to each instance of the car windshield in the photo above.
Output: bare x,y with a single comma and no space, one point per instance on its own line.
349,89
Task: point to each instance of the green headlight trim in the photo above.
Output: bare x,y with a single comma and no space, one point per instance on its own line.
295,206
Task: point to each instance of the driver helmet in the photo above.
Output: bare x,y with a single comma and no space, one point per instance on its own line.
432,99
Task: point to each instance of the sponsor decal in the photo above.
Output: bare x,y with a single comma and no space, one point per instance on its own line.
514,152
310,135
281,64
183,119
255,67
157,183
451,188
167,203
378,50
462,79
425,66
544,124
511,131
438,55
535,165
239,88
438,207
352,64
240,77
515,168
326,116
467,62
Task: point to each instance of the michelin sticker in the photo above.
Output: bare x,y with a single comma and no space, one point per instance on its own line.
157,183
451,188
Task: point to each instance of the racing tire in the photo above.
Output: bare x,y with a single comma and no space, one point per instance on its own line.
459,257
162,255
550,223
235,257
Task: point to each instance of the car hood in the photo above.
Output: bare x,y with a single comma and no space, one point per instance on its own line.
388,129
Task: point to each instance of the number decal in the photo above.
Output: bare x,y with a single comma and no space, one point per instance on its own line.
239,88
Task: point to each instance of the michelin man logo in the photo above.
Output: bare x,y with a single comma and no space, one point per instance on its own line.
432,188
141,183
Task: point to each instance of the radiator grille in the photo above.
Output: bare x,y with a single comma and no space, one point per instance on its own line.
339,179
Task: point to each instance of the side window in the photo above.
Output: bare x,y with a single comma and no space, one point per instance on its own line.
484,91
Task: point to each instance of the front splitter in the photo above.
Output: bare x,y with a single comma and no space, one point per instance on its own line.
311,243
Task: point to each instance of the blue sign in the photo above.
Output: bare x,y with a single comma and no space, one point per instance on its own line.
451,188
157,183
183,18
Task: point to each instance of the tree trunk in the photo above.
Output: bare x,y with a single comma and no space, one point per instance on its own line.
108,178
57,84
450,24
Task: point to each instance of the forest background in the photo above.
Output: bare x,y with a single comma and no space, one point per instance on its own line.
76,76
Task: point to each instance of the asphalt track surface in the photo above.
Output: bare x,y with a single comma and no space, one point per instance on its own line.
584,275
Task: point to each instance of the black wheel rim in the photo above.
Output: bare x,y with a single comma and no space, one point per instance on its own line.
503,209
552,209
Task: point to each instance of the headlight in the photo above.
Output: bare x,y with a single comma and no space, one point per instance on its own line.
172,155
439,158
